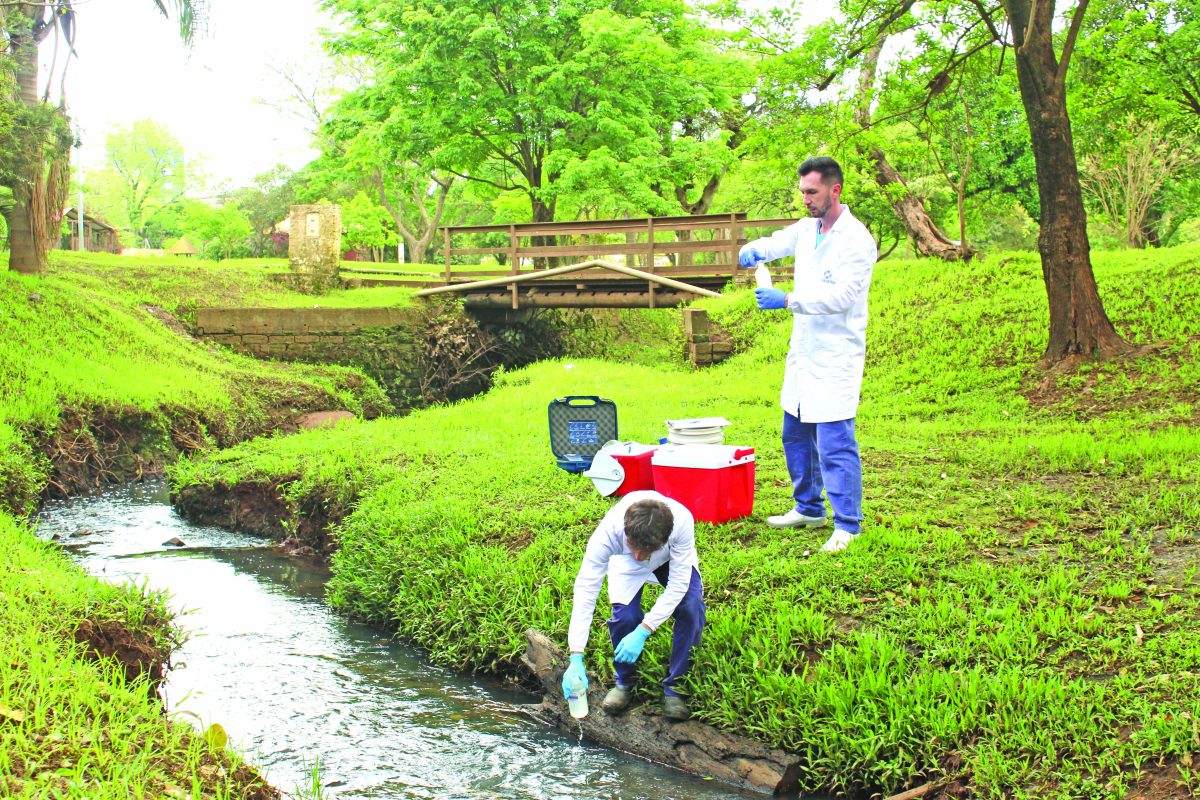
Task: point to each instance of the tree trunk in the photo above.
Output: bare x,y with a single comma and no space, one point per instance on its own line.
27,252
543,213
1079,325
926,236
417,244
700,206
27,245
416,249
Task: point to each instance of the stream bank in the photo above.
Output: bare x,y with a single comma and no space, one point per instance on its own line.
260,508
299,688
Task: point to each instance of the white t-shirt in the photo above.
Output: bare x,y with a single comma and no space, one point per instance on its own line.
608,555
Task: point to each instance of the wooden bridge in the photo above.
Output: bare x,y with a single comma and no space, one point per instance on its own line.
652,262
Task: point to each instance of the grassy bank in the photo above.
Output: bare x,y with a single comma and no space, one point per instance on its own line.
80,354
1020,614
93,387
72,727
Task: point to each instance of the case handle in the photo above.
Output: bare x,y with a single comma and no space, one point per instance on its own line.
570,400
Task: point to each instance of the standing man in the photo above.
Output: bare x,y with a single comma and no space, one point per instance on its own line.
834,257
645,538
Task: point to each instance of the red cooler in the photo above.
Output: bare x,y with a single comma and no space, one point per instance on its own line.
714,481
635,460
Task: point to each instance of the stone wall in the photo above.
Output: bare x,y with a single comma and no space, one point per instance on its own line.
706,343
386,343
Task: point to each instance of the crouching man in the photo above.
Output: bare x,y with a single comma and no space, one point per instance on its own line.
645,538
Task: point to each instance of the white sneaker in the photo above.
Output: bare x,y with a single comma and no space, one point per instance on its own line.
838,541
794,519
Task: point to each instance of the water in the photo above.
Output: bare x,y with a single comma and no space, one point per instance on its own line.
293,683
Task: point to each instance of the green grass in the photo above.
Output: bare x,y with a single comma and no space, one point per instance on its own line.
76,337
70,727
1021,612
182,284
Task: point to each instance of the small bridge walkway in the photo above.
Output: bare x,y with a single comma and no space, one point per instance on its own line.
650,262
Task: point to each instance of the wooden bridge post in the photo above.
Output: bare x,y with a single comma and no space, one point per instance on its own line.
446,232
514,261
735,236
650,258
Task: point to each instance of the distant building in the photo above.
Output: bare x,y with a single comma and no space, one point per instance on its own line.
181,248
98,235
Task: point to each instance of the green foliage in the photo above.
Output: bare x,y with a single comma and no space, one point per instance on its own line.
145,170
222,232
579,99
1021,599
266,203
367,224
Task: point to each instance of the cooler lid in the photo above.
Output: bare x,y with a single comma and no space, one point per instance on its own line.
629,449
702,456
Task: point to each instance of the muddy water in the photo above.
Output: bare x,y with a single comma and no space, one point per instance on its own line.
294,685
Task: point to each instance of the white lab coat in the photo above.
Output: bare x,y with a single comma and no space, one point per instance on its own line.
823,375
608,554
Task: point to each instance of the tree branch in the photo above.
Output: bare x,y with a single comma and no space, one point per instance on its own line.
987,19
501,187
1060,77
882,24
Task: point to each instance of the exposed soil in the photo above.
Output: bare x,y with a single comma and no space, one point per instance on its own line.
168,319
1162,783
260,509
93,448
1085,398
138,652
96,447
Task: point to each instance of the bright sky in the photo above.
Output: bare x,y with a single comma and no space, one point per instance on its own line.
133,66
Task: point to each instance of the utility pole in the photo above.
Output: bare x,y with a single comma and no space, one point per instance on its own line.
79,245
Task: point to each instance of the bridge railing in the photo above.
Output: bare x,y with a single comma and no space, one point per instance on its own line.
691,245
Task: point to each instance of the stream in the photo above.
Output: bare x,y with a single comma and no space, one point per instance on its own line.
308,695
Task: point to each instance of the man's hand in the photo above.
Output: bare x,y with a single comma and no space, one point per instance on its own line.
629,648
770,299
575,671
750,256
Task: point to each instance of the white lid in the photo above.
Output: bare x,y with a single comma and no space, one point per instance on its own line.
697,422
627,448
701,456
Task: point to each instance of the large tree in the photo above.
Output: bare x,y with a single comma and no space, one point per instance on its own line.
145,171
523,94
1041,57
36,169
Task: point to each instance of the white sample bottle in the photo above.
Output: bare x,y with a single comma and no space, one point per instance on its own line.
577,698
762,276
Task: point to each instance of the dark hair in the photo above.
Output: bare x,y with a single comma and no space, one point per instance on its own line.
831,171
648,524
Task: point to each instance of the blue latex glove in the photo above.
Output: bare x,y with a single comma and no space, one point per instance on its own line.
575,670
770,299
629,648
750,257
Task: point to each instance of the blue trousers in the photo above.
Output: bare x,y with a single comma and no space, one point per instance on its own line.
824,455
689,617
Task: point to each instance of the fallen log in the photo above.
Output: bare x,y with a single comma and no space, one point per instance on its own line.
691,746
